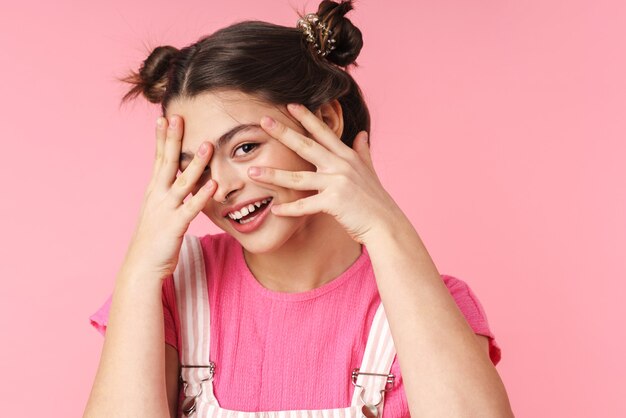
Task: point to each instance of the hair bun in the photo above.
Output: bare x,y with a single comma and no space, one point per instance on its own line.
152,78
348,38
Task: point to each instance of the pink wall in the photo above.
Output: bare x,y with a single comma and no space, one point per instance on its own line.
498,126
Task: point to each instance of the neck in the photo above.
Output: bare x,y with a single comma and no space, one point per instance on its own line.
319,253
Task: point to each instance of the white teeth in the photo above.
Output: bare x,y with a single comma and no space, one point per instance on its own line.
238,214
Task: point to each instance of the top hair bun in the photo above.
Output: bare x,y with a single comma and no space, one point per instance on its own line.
348,38
152,78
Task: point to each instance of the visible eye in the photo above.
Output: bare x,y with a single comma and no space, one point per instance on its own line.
247,148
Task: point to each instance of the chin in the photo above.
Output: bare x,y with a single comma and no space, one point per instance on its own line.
264,243
256,247
270,237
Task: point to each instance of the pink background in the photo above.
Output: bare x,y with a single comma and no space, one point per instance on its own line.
498,126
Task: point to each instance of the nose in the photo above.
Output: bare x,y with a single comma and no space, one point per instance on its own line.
229,180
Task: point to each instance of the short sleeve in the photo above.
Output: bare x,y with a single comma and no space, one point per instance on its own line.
170,319
99,319
474,313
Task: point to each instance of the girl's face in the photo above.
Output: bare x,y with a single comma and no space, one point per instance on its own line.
212,115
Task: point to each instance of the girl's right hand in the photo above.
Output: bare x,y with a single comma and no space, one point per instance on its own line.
164,217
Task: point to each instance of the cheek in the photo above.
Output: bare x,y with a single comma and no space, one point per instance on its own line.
210,211
286,159
209,214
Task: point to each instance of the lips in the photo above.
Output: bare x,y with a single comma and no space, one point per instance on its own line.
250,211
254,222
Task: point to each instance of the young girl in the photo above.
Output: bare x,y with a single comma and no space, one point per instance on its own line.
319,279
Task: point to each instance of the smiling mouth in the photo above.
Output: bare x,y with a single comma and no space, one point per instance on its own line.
251,211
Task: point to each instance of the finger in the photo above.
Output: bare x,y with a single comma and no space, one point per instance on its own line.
171,151
362,148
296,180
304,146
188,179
320,131
305,206
160,130
198,201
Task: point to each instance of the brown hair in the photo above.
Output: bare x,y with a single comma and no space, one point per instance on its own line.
272,62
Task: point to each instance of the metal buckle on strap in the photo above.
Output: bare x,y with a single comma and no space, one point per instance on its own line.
388,385
189,404
210,366
370,408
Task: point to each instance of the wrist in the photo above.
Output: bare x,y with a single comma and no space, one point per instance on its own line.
136,274
392,226
398,244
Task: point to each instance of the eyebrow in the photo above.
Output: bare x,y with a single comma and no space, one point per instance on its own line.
223,140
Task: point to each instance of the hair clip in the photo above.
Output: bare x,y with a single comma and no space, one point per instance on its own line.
311,23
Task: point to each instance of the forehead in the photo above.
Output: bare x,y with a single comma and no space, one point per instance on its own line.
210,115
218,102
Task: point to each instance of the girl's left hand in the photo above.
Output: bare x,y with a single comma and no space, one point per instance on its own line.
348,186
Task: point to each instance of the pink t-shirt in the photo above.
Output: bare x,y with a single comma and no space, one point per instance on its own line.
284,351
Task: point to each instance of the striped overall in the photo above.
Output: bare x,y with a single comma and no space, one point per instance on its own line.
370,380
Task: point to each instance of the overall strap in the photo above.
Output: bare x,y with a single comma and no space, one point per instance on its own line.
377,359
192,301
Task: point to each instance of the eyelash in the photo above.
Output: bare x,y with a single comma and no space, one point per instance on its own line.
247,143
253,144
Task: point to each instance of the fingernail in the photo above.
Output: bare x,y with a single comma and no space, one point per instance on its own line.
160,122
209,184
293,106
173,121
366,137
203,149
254,171
268,122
